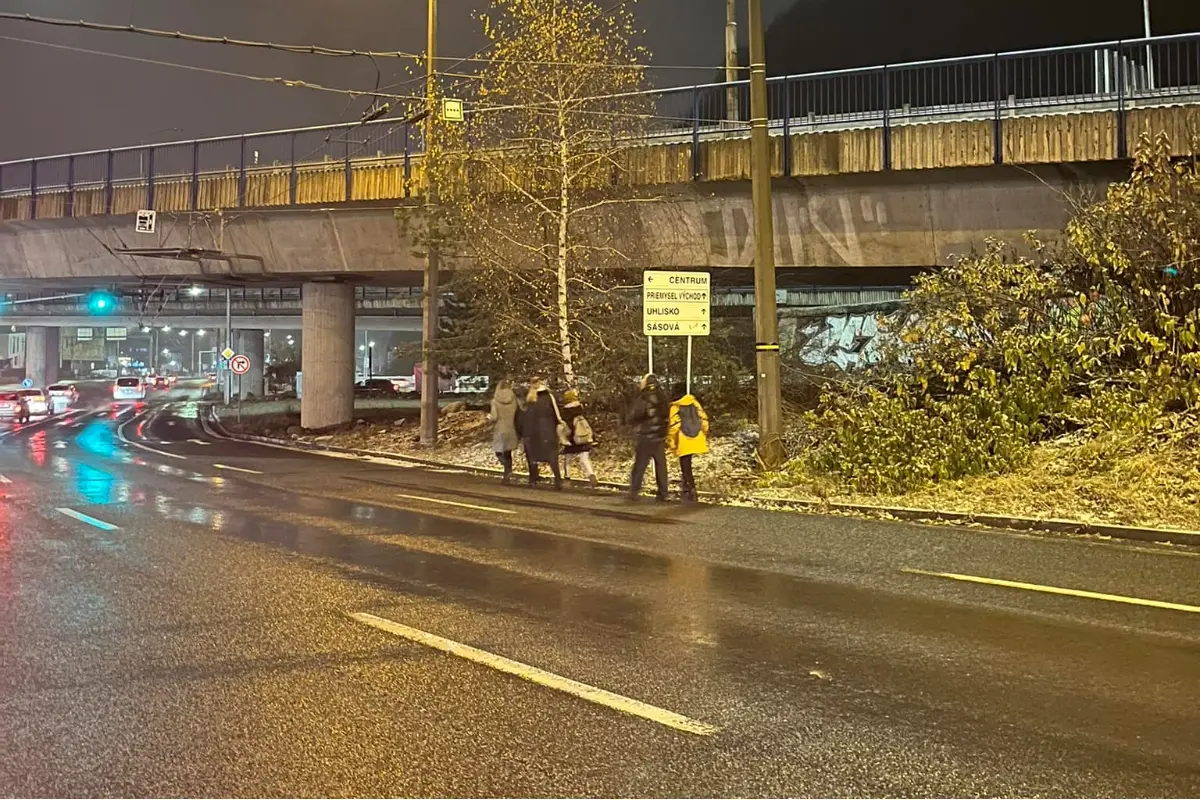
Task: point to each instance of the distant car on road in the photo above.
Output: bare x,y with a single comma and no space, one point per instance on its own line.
13,407
161,382
128,390
36,401
62,397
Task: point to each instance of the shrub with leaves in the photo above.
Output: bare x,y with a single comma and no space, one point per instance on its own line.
1000,351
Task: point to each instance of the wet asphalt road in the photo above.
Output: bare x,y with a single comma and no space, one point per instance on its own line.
174,620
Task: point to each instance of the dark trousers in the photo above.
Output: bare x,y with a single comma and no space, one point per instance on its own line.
534,475
649,450
506,461
686,478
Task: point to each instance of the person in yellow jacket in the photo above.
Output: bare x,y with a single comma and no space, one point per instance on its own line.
687,436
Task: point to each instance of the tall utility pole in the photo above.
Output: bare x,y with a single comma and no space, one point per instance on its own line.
732,112
766,322
430,291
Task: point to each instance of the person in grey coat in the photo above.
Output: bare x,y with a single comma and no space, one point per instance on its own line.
504,433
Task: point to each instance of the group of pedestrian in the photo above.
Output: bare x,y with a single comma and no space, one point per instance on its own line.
547,431
543,429
660,425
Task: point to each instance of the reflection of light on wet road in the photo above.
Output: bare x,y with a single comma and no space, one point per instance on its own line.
95,485
97,438
37,448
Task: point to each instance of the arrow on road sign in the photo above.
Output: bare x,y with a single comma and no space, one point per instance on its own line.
239,365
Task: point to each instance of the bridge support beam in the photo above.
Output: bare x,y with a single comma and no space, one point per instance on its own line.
327,355
42,355
250,344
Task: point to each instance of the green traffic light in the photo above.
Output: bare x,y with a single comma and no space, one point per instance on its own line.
101,303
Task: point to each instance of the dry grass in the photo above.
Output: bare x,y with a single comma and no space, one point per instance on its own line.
1127,480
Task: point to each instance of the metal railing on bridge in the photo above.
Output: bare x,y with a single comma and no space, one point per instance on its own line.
324,164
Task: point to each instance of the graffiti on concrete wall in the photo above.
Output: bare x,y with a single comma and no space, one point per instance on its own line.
804,225
844,340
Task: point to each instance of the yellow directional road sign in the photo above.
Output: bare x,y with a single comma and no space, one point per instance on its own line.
676,304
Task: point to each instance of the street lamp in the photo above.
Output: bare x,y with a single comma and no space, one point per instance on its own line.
166,328
196,291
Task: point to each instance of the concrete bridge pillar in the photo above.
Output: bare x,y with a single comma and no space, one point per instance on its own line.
250,344
42,355
327,355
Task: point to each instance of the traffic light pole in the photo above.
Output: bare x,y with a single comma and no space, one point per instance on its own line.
766,321
228,343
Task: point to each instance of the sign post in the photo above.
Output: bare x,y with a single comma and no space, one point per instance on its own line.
239,365
225,375
676,304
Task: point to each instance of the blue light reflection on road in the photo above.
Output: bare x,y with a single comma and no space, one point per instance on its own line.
94,485
98,438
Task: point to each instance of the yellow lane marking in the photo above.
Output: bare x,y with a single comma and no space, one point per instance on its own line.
1037,587
452,503
541,677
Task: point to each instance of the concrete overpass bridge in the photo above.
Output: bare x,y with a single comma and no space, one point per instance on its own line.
899,166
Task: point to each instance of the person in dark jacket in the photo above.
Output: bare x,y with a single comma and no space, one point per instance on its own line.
650,416
580,437
539,430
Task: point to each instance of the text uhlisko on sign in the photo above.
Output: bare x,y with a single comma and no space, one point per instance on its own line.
675,303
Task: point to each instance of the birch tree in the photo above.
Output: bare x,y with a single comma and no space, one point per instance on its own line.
536,193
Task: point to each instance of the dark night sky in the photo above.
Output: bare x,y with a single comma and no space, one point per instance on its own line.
56,101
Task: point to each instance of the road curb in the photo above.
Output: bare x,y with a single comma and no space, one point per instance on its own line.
300,444
1000,521
1074,527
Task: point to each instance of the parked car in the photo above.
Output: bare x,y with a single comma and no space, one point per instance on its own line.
62,397
128,390
404,383
36,401
373,387
13,407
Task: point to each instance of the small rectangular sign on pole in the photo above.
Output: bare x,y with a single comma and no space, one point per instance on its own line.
116,334
453,110
676,303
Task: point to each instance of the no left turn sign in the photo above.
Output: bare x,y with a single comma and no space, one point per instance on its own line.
240,365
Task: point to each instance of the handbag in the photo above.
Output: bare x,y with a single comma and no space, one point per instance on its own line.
563,430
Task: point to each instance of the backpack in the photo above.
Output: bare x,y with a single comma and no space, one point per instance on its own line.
583,431
690,424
